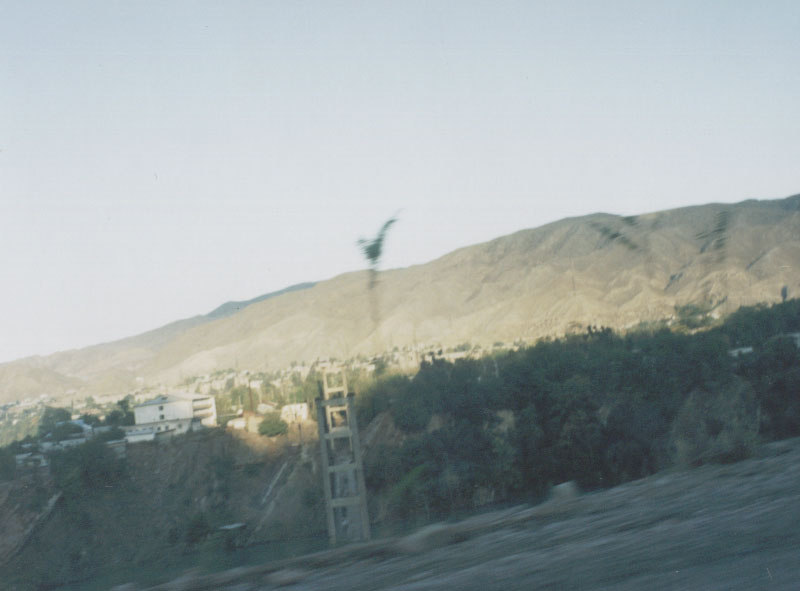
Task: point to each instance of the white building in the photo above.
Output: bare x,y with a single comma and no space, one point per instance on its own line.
172,414
159,430
175,407
295,413
31,460
238,423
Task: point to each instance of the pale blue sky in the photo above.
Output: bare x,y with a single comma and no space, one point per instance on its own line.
158,158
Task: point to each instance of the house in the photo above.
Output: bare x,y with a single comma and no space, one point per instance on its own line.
740,351
179,406
88,430
237,423
51,446
30,460
171,414
295,413
266,407
158,430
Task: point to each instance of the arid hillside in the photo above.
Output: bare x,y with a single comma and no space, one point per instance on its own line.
599,269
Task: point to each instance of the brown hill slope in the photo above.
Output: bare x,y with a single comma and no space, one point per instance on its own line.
599,269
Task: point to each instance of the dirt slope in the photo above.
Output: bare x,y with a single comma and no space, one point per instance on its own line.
730,527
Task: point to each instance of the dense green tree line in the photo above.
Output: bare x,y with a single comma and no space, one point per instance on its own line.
599,408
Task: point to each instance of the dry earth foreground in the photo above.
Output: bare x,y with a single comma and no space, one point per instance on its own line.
716,527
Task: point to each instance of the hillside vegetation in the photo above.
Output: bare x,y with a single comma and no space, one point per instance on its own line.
597,408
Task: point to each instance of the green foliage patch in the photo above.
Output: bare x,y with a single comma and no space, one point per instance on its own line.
598,408
273,425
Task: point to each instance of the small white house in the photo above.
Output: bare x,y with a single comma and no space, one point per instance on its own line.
740,351
295,413
238,423
31,460
266,407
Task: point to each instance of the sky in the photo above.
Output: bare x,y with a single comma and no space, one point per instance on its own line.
159,158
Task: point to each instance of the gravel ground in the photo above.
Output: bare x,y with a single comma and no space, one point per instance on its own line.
732,527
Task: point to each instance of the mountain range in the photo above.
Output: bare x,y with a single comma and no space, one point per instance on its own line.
599,269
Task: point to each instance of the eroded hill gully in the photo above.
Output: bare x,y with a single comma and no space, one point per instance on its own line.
715,527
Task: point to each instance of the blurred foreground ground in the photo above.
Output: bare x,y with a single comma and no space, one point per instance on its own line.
733,527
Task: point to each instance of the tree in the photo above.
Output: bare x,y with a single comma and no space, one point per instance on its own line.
65,430
51,417
241,396
84,468
373,249
92,420
122,415
8,464
197,529
380,396
273,425
527,439
113,434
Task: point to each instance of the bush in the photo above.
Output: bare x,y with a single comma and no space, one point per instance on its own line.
65,431
197,529
51,417
378,397
273,425
113,434
88,467
719,426
8,464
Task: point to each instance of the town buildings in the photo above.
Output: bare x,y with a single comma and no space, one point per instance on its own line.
171,414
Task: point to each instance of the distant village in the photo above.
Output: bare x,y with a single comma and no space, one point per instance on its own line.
231,399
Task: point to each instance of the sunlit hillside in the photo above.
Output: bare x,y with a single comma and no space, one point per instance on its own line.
599,269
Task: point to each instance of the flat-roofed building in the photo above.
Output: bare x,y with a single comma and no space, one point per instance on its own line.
172,414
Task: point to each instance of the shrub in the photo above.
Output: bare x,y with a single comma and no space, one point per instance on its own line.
719,426
113,434
51,417
8,464
197,529
273,425
87,467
